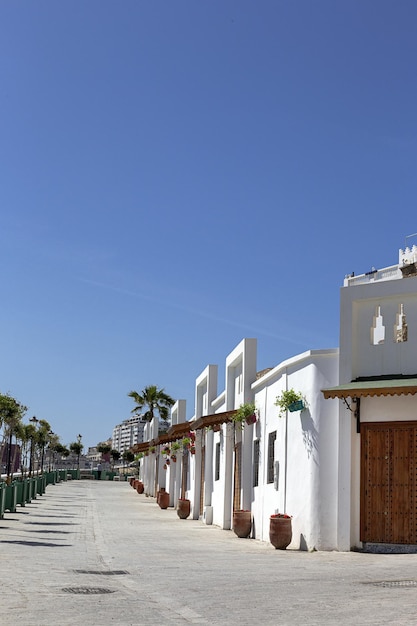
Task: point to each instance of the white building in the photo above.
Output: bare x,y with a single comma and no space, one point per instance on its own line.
377,417
127,434
345,466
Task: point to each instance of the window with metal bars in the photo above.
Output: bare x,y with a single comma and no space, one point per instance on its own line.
256,455
271,456
217,463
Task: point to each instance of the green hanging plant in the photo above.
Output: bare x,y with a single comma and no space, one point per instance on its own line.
245,413
290,400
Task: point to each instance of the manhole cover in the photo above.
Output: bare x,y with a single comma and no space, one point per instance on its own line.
394,583
93,572
87,590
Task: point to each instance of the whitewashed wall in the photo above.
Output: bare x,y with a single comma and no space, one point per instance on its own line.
306,451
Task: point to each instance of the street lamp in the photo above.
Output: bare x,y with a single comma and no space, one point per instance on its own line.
9,456
51,432
79,437
34,421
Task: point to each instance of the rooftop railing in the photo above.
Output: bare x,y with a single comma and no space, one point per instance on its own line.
388,273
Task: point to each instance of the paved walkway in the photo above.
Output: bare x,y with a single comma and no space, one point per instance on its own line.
93,553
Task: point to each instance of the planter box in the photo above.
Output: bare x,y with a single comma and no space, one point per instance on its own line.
11,497
298,405
2,499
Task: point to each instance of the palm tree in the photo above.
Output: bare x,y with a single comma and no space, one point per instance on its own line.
154,400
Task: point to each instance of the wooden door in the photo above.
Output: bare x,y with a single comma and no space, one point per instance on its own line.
237,477
202,481
184,474
389,482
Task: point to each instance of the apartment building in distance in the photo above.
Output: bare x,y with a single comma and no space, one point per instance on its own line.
128,433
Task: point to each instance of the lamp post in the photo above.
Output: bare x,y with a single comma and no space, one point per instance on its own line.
34,421
9,456
51,432
45,435
79,437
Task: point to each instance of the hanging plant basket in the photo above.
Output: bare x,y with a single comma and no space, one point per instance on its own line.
251,419
245,414
298,405
290,400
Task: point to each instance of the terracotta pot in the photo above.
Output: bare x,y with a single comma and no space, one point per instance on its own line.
280,532
251,419
242,523
183,508
131,480
140,488
163,499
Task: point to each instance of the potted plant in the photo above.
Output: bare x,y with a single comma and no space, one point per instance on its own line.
163,498
290,400
280,530
174,458
186,442
176,446
246,413
242,523
183,508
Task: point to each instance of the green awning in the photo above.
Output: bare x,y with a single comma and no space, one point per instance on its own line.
379,387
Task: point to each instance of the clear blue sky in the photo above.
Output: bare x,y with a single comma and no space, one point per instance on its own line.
177,175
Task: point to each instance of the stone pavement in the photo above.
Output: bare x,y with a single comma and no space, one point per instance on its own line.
93,553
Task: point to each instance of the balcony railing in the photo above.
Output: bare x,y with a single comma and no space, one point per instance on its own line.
388,273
